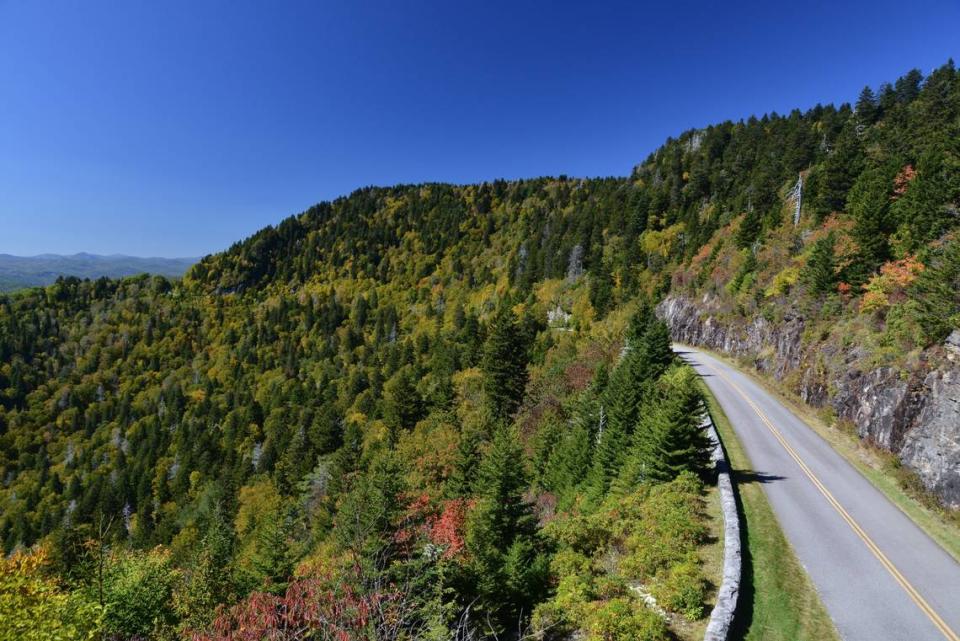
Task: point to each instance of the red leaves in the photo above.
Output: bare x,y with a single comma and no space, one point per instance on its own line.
311,608
447,529
903,180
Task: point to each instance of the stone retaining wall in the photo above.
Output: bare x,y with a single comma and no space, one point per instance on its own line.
721,619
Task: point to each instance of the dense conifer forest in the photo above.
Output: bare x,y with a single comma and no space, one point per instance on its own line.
439,411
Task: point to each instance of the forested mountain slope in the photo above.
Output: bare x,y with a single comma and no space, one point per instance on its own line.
337,405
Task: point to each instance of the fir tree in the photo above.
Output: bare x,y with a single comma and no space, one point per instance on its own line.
922,211
630,383
750,227
869,203
669,437
504,363
509,569
460,483
601,289
867,110
403,404
820,271
839,171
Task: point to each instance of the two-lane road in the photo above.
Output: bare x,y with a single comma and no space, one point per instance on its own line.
878,574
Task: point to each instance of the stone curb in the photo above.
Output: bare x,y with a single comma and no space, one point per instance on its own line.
721,619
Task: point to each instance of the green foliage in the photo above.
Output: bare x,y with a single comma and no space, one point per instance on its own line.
509,564
624,619
669,437
208,582
749,230
648,536
648,355
820,272
504,365
137,591
601,290
869,204
923,211
35,607
683,589
936,293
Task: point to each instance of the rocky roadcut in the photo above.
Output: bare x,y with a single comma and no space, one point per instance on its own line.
914,413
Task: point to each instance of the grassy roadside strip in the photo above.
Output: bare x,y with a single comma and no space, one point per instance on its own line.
777,602
879,467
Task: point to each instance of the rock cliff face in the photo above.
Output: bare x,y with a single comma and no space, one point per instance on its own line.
915,414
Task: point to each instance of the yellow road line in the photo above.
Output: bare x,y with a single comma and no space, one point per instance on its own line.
890,567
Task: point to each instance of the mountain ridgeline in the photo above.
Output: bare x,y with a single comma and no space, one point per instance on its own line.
19,272
448,404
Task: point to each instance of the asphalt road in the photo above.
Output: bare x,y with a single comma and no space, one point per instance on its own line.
878,574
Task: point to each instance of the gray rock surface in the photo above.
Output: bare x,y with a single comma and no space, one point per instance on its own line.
932,447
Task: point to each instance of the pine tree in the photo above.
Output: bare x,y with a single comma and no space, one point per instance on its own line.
921,212
937,292
669,437
508,566
504,363
839,171
644,362
601,289
501,481
750,227
462,479
658,346
867,110
820,271
403,406
868,203
569,463
369,514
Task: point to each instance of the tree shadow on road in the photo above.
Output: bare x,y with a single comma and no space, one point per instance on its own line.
752,476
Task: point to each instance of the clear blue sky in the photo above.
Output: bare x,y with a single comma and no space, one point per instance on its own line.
174,128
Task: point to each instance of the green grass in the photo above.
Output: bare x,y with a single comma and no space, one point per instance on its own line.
900,485
777,599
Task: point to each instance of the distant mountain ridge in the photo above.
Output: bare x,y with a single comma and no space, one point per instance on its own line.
18,272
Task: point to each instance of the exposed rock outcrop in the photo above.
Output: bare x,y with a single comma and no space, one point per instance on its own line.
915,414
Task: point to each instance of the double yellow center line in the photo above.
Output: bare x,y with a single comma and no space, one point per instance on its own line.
890,567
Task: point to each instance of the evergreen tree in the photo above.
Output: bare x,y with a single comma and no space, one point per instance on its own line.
750,227
868,203
510,570
569,463
839,171
504,365
501,481
208,582
630,383
867,109
820,271
601,289
403,406
922,212
462,479
937,293
370,513
669,437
